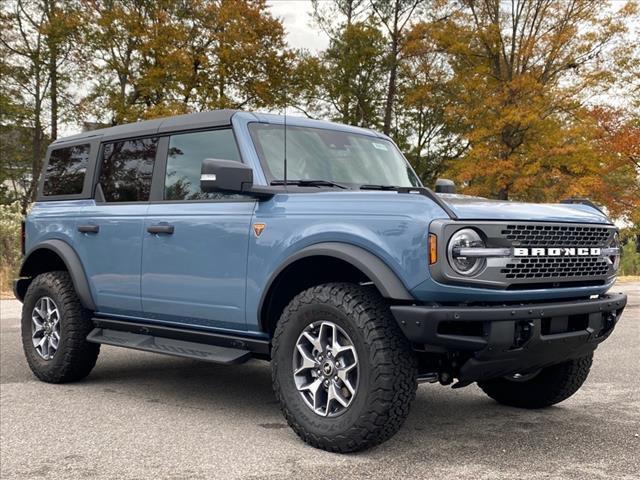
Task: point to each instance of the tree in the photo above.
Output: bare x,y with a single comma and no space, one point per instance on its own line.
333,16
617,142
520,75
161,58
352,75
429,138
395,16
37,41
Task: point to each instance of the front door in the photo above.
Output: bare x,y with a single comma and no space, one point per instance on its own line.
195,244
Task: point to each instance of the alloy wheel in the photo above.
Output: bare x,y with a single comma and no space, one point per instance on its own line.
45,327
325,368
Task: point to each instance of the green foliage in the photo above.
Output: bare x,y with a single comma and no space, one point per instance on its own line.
352,75
630,259
155,59
10,218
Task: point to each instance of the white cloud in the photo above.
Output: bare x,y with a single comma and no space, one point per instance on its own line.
296,18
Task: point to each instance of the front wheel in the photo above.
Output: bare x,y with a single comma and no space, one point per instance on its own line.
540,389
342,370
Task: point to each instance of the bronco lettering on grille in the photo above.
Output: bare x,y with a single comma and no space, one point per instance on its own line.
556,252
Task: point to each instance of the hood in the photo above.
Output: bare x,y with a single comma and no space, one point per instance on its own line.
478,208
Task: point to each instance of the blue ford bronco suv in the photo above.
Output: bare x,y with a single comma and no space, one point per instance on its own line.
228,235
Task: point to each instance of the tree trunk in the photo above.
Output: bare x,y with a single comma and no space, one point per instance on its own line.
52,40
36,146
393,73
53,95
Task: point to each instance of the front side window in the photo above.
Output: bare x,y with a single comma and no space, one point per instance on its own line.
332,155
66,170
186,153
127,168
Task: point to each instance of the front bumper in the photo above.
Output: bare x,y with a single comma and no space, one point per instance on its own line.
500,340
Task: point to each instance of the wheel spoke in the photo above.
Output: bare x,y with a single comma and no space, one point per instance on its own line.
347,384
39,311
343,375
334,393
315,341
327,332
340,350
314,389
38,326
47,302
307,360
44,347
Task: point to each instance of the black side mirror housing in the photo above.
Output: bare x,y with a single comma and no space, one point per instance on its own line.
225,176
230,176
444,185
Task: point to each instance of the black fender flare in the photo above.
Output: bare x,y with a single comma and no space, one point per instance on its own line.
385,279
73,264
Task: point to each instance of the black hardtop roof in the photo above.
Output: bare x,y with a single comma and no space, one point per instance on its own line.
215,118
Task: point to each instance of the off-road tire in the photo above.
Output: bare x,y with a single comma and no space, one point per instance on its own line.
388,368
75,357
552,385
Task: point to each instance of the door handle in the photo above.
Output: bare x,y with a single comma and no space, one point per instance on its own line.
161,228
88,228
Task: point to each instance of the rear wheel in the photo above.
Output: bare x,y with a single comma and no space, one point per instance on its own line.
342,370
540,389
54,330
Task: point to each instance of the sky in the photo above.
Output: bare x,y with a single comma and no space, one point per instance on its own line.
296,17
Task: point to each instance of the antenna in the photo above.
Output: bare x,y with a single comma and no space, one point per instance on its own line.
285,141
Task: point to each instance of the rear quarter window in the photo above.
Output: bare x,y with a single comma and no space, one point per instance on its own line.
66,170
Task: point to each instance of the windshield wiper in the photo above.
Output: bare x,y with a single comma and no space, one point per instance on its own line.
378,187
309,183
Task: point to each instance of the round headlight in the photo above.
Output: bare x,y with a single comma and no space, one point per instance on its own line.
464,265
615,243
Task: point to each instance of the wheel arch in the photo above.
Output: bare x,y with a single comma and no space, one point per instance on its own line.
51,255
336,262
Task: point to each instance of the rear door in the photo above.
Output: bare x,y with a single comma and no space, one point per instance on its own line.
110,243
195,244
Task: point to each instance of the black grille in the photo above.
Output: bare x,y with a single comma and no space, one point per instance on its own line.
556,267
556,235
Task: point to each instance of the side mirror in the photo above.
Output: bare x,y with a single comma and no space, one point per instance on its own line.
444,185
225,176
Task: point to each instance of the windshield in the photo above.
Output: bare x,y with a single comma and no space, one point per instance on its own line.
331,155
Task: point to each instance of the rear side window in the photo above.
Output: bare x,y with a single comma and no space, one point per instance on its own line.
66,170
186,153
126,170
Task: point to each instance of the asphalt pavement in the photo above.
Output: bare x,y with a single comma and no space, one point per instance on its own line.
140,415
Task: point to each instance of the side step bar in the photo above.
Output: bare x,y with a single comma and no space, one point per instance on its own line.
190,343
169,346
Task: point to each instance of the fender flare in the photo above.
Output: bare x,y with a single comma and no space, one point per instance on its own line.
385,279
73,264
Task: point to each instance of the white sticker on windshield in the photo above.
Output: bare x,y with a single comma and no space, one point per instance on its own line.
380,146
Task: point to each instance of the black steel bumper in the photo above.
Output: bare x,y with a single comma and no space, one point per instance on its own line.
501,340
